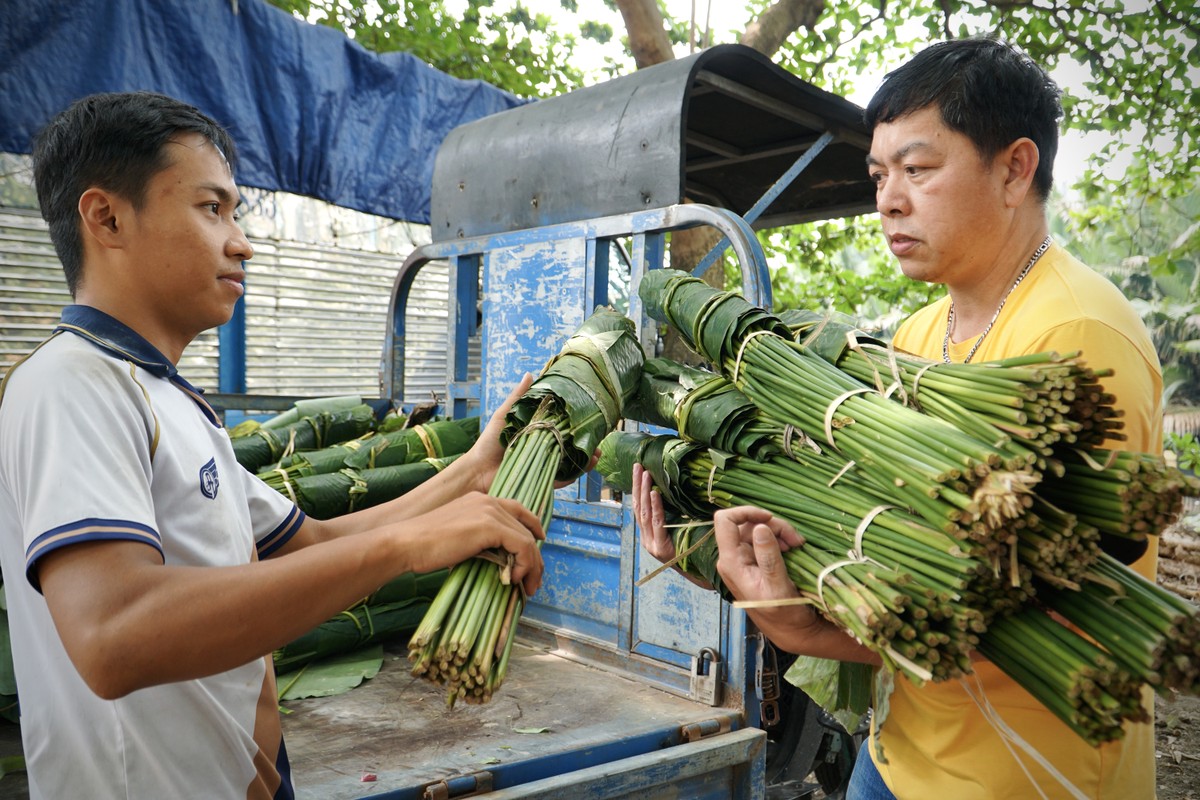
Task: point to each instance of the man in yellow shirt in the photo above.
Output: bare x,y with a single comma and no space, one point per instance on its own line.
963,143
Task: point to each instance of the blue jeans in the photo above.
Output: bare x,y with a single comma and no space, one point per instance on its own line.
866,782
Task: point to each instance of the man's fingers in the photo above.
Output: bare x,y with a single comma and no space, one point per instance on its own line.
529,572
524,516
766,549
496,423
527,563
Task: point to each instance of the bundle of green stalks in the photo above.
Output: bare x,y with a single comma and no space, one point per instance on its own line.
1054,545
308,407
908,592
1027,406
1047,405
1044,540
332,494
427,440
267,445
433,440
1152,633
1125,496
704,407
394,609
327,459
1080,683
944,474
466,638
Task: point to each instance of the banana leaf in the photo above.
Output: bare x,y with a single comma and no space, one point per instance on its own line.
589,381
408,586
703,407
350,630
405,446
327,459
711,323
268,445
331,676
336,493
661,457
826,335
313,407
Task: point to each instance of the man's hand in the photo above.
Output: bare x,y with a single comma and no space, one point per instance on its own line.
750,545
468,526
648,513
485,455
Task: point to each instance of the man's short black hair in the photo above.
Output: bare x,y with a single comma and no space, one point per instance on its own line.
113,141
986,90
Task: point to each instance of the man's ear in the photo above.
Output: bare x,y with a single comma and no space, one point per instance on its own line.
101,213
1020,159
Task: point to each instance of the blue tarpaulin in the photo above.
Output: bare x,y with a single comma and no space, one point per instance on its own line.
312,112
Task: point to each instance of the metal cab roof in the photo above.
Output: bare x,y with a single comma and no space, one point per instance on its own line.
718,127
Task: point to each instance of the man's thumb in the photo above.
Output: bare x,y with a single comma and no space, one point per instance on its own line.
766,549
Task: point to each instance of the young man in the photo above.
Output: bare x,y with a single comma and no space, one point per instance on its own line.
148,576
963,143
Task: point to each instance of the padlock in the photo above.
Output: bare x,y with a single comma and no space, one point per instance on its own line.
706,685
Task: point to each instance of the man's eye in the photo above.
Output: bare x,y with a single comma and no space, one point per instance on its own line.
876,177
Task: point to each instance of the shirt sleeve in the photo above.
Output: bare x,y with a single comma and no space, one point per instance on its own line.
275,517
77,454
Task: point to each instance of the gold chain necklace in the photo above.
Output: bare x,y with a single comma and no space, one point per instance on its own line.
1045,245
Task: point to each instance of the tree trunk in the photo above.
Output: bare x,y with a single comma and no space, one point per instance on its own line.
649,44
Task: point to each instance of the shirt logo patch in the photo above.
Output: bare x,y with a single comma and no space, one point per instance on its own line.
209,481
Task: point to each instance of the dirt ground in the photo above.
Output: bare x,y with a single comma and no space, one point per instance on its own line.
1177,723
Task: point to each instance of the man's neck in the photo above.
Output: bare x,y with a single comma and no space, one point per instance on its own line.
976,302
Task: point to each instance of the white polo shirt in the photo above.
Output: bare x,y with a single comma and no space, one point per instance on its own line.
101,439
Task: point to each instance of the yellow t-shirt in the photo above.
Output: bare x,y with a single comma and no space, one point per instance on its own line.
936,740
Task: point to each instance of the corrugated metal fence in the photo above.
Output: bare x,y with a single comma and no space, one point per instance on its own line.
316,315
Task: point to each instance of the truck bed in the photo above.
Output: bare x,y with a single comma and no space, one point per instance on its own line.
398,728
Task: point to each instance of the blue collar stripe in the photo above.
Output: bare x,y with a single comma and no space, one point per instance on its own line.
118,339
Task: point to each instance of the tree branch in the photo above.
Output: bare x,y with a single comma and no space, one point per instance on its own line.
648,41
768,33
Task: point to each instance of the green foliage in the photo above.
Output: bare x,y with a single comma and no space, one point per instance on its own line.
1149,245
1186,450
515,50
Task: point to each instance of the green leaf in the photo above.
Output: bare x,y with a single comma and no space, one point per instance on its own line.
841,689
8,679
10,764
332,676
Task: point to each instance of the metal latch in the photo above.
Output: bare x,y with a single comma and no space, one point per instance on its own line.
706,677
473,785
696,731
766,683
